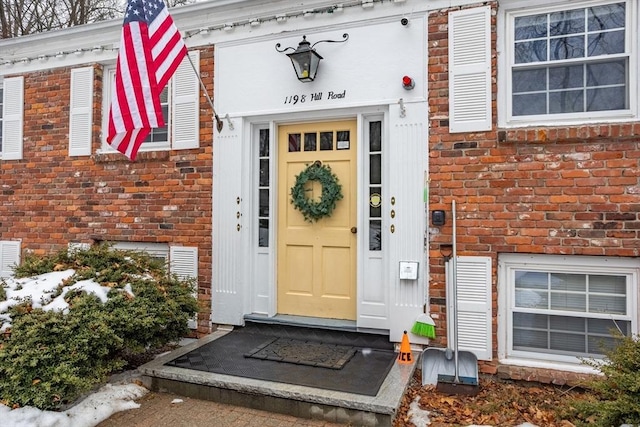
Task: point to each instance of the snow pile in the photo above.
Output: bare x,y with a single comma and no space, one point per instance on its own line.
96,408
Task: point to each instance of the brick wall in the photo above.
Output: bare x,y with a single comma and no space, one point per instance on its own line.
544,190
50,199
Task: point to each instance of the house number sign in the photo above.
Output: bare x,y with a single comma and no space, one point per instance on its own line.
317,96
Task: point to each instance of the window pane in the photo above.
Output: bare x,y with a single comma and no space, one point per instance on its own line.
310,141
263,204
606,17
525,105
375,235
566,48
526,52
264,173
375,136
607,73
568,342
608,284
264,143
263,233
568,282
608,326
568,101
607,304
529,80
568,302
343,140
532,279
375,169
600,345
611,98
326,140
566,22
294,142
530,27
566,77
529,320
531,299
527,339
567,324
606,43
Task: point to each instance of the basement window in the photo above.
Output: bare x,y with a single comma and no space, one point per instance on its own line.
563,308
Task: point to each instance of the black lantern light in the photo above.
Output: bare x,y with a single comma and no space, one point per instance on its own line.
305,59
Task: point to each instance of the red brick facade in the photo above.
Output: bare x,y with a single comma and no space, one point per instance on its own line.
51,199
543,190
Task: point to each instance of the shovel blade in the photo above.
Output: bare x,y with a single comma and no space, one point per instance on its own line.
447,384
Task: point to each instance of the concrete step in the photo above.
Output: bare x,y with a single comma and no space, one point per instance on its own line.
295,400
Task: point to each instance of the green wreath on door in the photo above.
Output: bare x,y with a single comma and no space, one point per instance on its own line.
310,209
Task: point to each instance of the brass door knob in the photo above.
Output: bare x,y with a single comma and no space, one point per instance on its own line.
354,230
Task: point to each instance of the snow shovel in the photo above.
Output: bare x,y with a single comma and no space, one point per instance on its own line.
453,371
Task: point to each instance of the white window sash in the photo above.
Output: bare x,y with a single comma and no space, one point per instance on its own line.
508,264
511,9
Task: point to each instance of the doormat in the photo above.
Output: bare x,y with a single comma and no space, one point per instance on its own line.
287,350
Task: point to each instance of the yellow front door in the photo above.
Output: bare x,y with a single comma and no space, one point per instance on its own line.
317,260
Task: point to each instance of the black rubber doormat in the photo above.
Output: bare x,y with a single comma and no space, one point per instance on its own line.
363,374
288,350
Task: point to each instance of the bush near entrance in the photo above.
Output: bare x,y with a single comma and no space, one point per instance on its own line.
50,358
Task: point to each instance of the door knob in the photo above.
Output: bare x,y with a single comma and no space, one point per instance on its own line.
354,230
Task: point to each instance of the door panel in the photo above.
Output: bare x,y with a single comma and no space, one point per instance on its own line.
317,261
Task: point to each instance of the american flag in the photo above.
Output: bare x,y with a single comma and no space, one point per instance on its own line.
151,49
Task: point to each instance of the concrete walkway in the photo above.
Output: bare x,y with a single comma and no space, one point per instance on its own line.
157,410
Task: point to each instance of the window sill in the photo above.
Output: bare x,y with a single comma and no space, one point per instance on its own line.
556,366
554,134
109,157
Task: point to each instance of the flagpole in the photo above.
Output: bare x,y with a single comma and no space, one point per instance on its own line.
219,123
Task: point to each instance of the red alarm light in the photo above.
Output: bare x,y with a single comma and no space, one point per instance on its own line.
408,83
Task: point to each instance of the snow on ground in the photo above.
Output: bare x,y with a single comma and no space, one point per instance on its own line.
96,408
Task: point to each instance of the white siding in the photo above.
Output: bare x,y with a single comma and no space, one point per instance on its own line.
228,256
407,152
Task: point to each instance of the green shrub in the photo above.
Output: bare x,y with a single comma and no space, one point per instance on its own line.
50,358
617,391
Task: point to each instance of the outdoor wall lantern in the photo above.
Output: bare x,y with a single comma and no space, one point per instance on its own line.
305,59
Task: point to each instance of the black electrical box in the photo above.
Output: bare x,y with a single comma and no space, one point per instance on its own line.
437,217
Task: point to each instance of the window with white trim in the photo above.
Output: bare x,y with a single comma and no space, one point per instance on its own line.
180,101
571,62
158,138
562,308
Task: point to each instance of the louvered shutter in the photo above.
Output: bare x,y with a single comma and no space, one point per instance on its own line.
470,70
474,305
183,261
185,111
80,111
9,256
12,118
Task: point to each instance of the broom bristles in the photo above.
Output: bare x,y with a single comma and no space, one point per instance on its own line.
424,327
